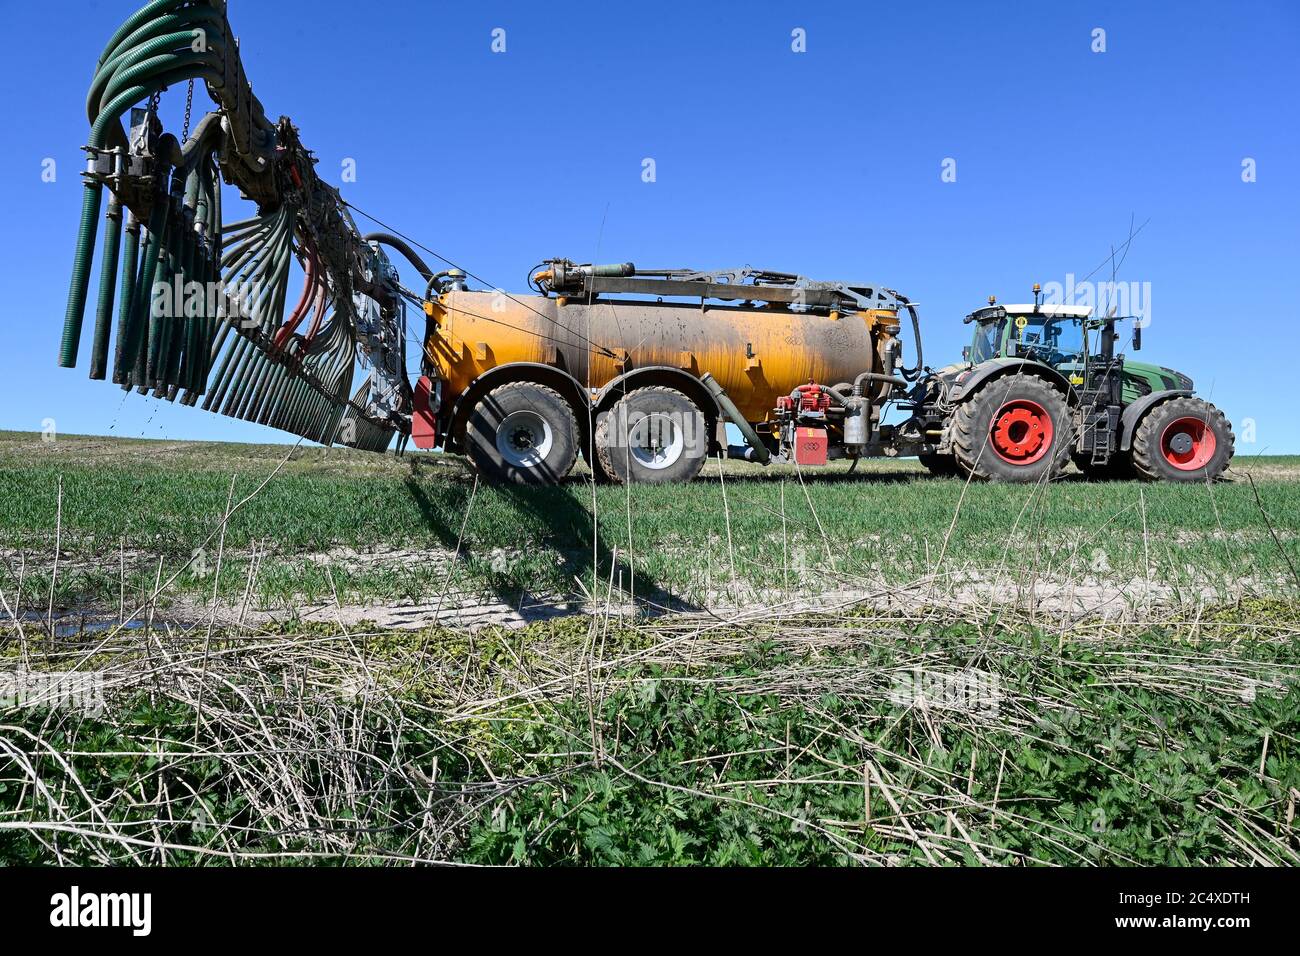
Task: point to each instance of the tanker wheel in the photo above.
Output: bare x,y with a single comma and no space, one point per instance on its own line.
941,466
598,473
523,433
1014,429
1184,439
654,435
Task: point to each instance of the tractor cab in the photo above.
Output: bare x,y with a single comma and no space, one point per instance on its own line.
1070,340
1056,335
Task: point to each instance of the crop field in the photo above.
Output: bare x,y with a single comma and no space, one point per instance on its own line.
307,655
345,529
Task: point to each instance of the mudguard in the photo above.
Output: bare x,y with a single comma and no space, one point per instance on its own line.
548,375
664,375
1132,415
966,384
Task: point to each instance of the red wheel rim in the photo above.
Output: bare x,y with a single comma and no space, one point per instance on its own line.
1022,432
1188,444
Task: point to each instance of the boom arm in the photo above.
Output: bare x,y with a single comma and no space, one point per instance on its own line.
200,302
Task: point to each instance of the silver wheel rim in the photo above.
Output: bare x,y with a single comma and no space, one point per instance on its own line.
657,442
524,439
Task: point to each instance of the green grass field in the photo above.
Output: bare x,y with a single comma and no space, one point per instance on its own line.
368,529
762,667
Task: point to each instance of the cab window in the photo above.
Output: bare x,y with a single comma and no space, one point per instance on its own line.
1056,341
988,340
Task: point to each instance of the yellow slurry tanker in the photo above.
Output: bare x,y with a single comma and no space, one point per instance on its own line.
525,384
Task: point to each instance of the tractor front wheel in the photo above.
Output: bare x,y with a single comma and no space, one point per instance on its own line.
1183,439
1014,429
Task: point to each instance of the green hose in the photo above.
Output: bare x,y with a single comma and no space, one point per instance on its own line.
146,13
303,388
107,287
140,321
761,453
161,327
79,286
130,260
86,235
147,34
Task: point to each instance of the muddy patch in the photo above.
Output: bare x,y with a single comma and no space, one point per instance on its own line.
970,595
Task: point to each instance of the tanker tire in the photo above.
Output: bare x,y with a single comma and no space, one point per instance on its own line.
1152,461
653,404
973,439
598,473
522,433
941,466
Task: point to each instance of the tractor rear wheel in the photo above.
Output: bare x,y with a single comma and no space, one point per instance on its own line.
1014,429
1183,439
654,435
523,433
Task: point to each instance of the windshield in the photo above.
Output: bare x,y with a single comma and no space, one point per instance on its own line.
1056,341
988,340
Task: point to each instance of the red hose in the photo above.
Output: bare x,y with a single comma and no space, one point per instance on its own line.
319,309
300,310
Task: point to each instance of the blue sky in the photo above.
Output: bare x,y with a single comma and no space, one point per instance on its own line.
826,162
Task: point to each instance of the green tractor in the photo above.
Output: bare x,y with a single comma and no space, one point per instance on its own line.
1041,385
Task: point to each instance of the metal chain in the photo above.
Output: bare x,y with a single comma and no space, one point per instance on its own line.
189,105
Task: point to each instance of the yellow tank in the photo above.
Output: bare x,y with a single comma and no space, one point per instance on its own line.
757,354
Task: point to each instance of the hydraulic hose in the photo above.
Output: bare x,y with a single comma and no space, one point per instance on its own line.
877,377
835,395
911,373
404,248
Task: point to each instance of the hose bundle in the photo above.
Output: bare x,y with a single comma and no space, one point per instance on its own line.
200,304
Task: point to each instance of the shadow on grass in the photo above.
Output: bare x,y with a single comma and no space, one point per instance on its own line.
589,559
827,478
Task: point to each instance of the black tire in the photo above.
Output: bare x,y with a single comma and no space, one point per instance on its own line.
942,466
1183,439
598,473
1119,468
654,435
512,419
1015,429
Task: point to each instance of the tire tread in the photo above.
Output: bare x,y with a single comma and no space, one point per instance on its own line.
508,473
970,439
1146,450
602,431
